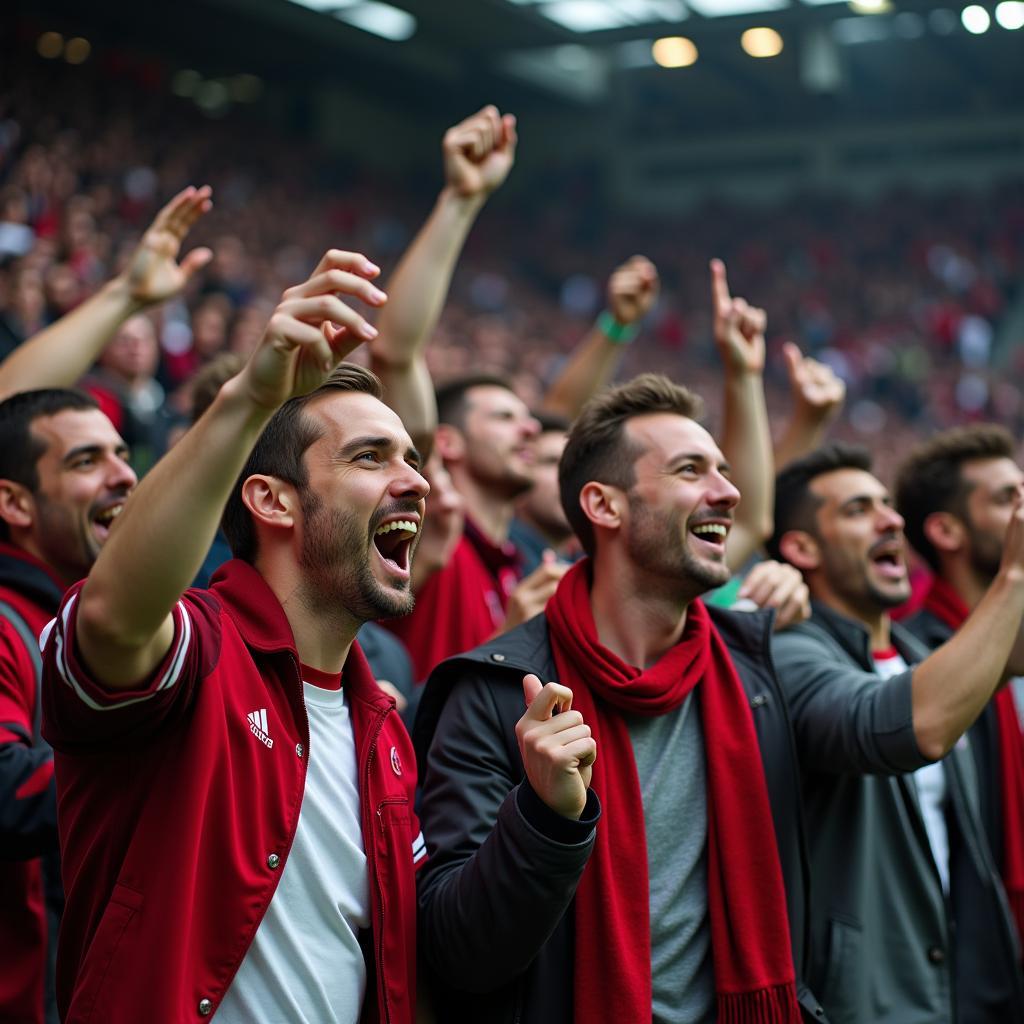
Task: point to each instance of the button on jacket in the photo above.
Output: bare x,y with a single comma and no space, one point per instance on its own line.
179,802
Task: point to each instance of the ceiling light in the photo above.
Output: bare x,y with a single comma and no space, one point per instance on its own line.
50,45
724,8
975,19
674,52
1010,14
871,6
379,19
761,42
77,50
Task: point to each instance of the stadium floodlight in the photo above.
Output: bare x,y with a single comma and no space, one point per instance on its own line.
975,19
1010,14
674,52
761,42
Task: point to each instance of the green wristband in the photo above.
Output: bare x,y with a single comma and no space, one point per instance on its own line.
618,334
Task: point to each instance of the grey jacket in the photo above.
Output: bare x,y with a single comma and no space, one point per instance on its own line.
884,946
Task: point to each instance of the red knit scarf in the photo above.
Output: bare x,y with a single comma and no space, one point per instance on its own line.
753,962
945,604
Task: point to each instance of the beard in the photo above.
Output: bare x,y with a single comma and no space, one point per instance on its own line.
335,562
986,553
655,544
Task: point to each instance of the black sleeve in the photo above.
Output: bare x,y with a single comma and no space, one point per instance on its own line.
28,800
503,867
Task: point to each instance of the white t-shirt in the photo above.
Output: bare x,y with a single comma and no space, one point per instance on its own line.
929,780
305,965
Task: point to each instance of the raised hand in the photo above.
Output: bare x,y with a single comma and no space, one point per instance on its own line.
738,326
153,273
818,394
533,592
633,290
479,152
780,586
312,330
557,749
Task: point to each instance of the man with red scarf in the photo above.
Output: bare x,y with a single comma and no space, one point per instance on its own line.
957,494
687,901
909,920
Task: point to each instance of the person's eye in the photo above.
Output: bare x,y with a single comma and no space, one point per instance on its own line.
367,457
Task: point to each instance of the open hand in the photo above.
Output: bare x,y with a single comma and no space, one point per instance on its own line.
312,330
153,273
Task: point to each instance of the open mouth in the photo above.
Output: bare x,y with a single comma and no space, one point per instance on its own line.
393,541
104,519
712,534
888,561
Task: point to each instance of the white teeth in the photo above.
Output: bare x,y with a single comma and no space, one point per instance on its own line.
715,528
401,524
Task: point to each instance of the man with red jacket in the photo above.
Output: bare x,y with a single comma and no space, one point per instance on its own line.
63,477
235,790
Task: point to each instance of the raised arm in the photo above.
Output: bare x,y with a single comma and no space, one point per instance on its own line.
818,395
952,686
632,291
59,355
478,155
124,625
746,438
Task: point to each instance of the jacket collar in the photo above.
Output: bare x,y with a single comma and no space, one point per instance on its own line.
27,575
263,625
854,638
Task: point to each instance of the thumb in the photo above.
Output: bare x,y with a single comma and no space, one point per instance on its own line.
196,260
548,557
531,687
791,353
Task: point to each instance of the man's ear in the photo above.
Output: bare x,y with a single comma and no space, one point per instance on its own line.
450,442
945,532
17,506
270,501
800,549
603,505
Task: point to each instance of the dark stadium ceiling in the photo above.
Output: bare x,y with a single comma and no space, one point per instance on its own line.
904,59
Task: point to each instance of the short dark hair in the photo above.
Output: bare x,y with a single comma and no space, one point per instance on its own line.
598,449
795,504
452,400
20,449
552,423
278,451
931,478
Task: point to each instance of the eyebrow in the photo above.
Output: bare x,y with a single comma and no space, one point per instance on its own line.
885,499
380,444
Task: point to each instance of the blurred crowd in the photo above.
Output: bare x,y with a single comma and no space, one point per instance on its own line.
903,296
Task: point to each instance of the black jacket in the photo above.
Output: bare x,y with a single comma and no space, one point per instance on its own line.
496,927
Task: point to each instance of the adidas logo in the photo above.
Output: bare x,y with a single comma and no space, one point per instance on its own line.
258,727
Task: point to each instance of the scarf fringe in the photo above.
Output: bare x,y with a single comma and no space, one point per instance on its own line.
776,1005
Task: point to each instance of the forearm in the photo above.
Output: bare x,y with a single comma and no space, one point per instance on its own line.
62,353
590,367
953,685
801,436
167,526
746,444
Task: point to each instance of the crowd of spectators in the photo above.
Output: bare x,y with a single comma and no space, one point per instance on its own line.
902,296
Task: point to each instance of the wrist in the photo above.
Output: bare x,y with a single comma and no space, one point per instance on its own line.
617,332
118,291
468,205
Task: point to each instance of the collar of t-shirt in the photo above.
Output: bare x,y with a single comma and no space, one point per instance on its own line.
325,680
888,662
499,558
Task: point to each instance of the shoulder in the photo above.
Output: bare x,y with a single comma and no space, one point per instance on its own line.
492,672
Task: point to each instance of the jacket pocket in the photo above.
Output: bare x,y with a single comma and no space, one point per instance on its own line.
843,989
90,996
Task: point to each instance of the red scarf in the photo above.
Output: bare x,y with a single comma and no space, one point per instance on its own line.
945,604
753,962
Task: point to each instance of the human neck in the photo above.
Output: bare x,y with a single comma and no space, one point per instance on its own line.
555,541
491,513
634,620
969,586
323,632
874,619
